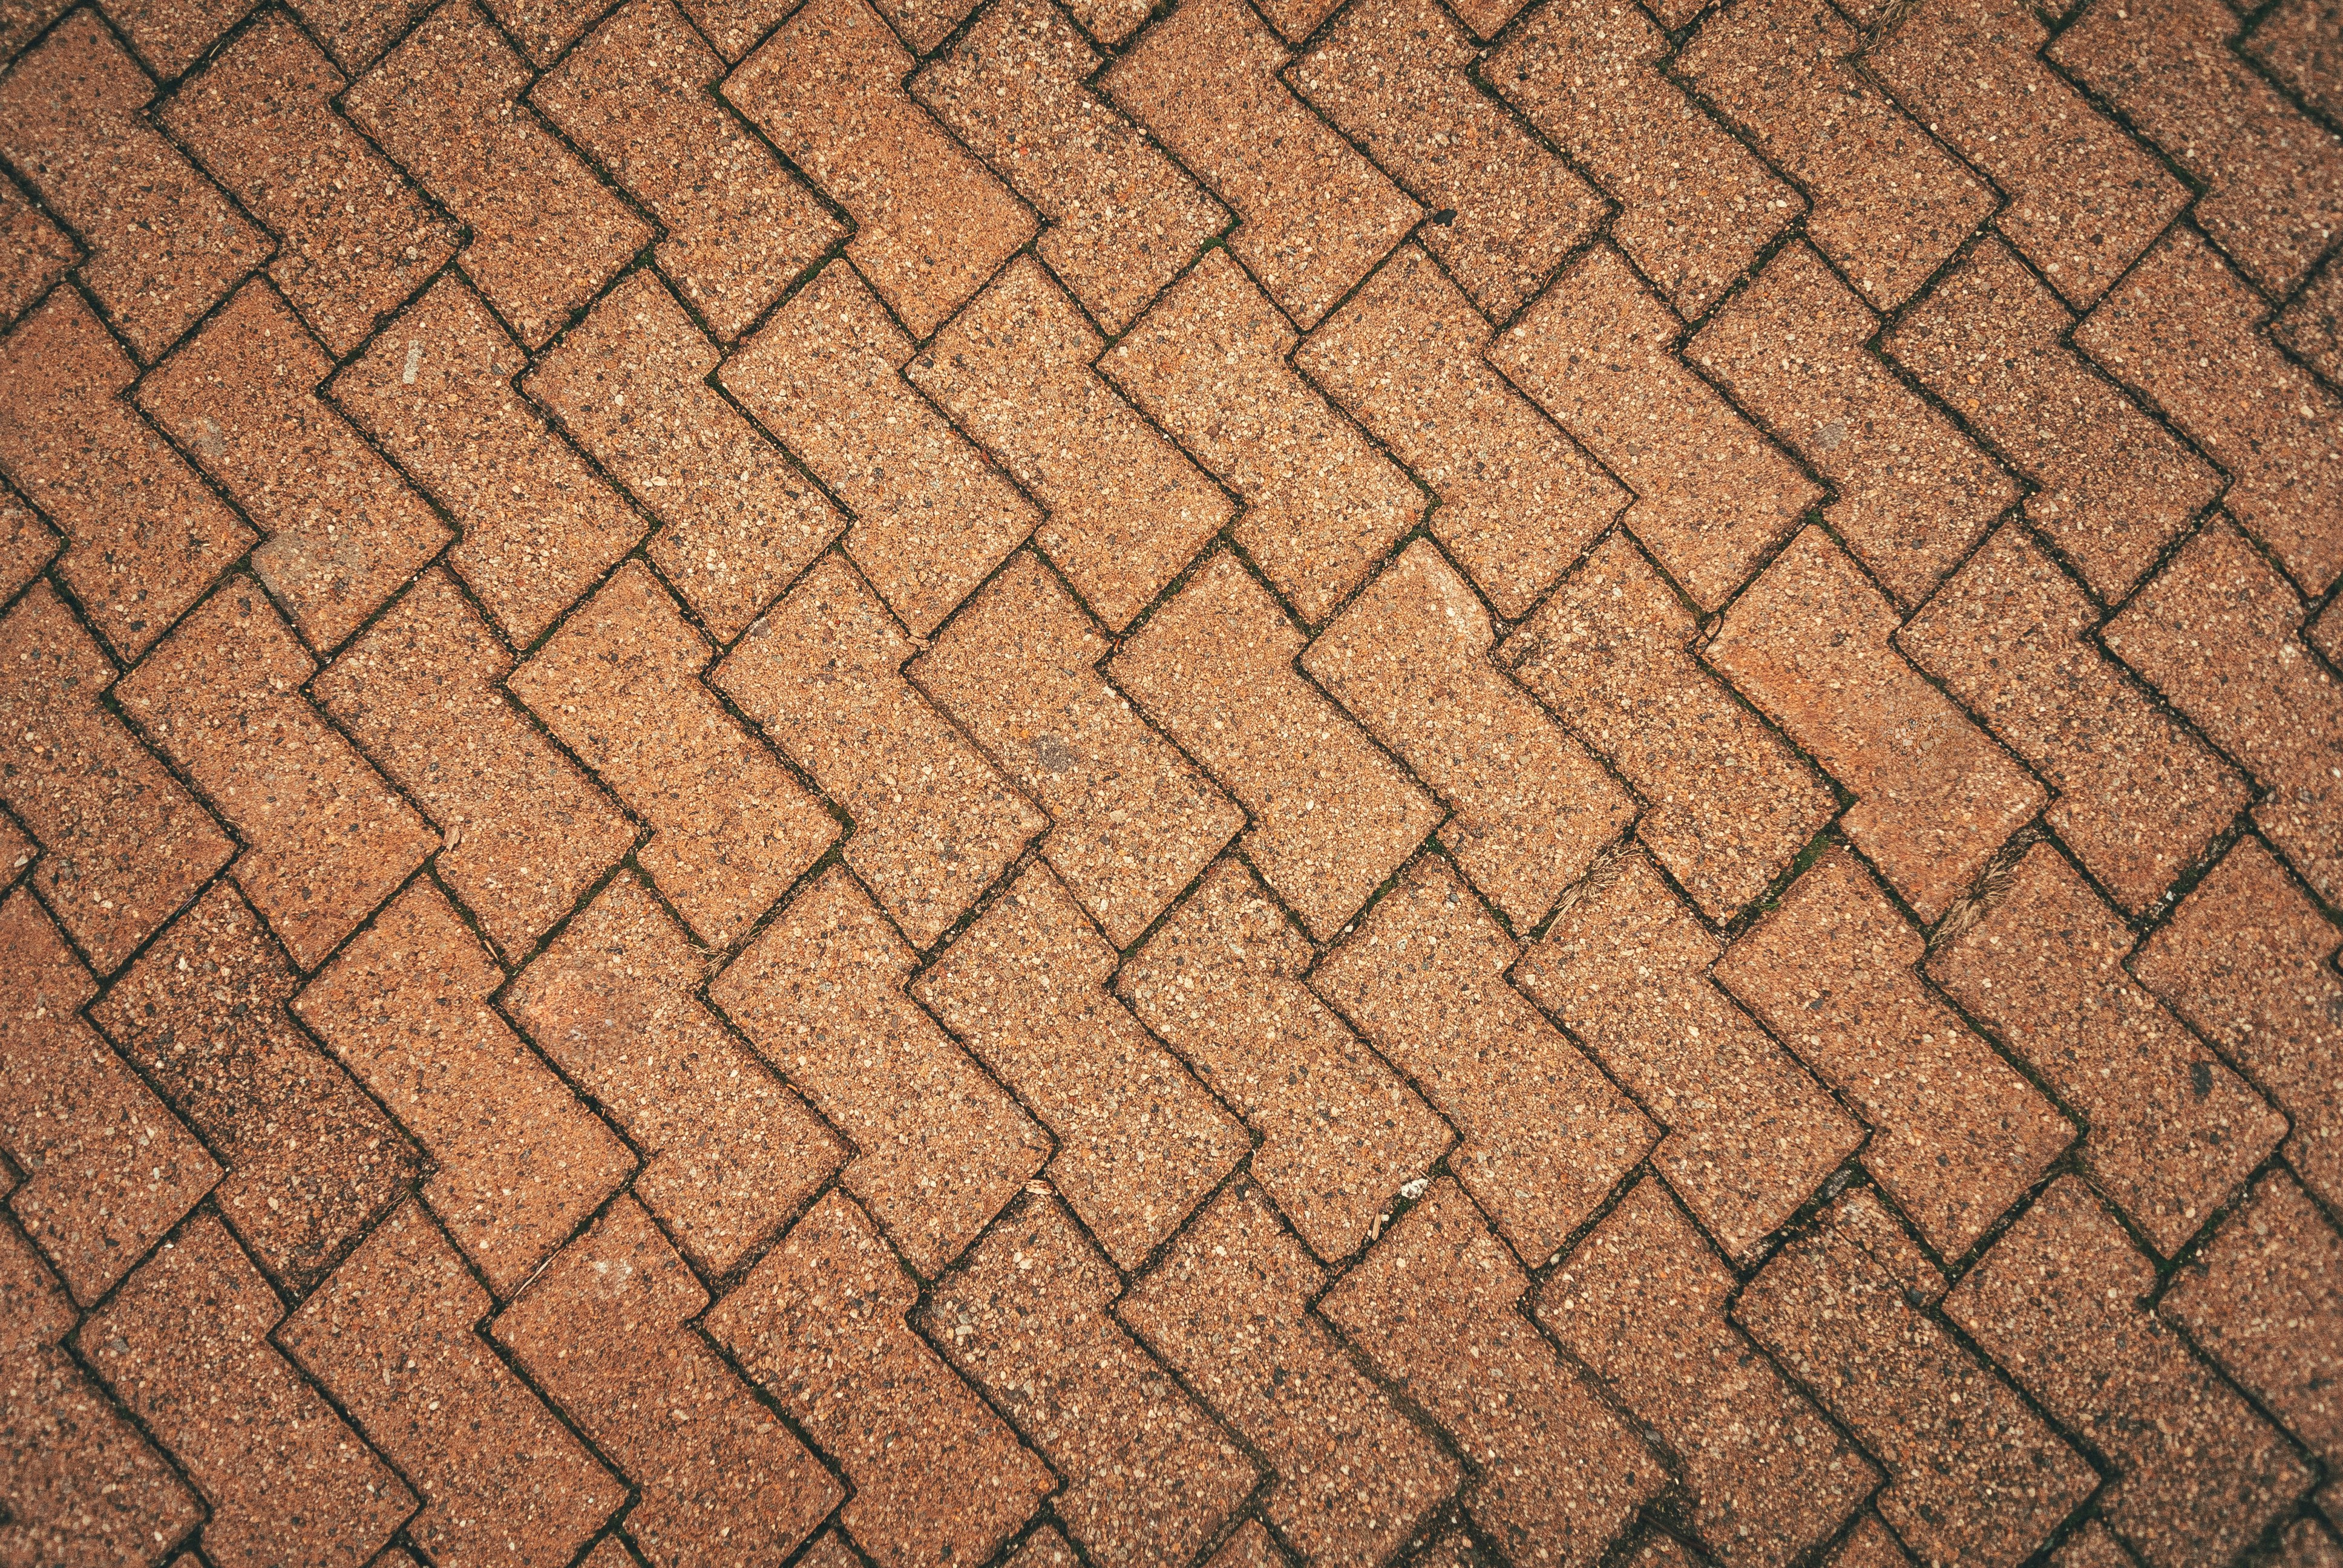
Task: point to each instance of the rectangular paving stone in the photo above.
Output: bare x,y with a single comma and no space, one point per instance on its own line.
2186,330
821,1323
1543,1137
1889,203
728,1152
1332,817
143,537
932,223
1750,1135
345,530
2084,199
629,383
526,832
1146,1474
392,1335
1972,1475
185,1345
1727,804
1393,77
107,1168
1695,207
1354,1476
2199,1473
730,827
2172,1131
1313,217
1221,982
1712,495
1935,796
1957,1135
545,233
355,238
311,1160
932,516
536,526
1209,362
637,96
940,1147
325,838
1914,494
934,823
83,1485
124,845
164,245
519,1162
606,1330
2112,486
1126,510
1518,501
2246,960
1409,658
34,252
2139,798
1124,219
1560,1475
1131,820
1140,1142
2220,633
1642,1301
28,545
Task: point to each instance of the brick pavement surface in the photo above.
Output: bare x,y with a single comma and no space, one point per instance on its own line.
1210,783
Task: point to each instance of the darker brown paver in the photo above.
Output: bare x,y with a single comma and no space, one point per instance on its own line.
392,1335
310,1159
519,1162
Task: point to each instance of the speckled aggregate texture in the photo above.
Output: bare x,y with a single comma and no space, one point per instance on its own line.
1178,783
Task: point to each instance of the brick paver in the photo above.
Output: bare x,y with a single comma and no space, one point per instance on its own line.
1223,783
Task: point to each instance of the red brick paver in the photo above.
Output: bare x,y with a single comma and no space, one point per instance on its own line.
1219,783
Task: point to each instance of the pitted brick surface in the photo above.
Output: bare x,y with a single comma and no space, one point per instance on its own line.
1451,783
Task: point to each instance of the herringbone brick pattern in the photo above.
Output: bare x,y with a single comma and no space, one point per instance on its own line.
1222,782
